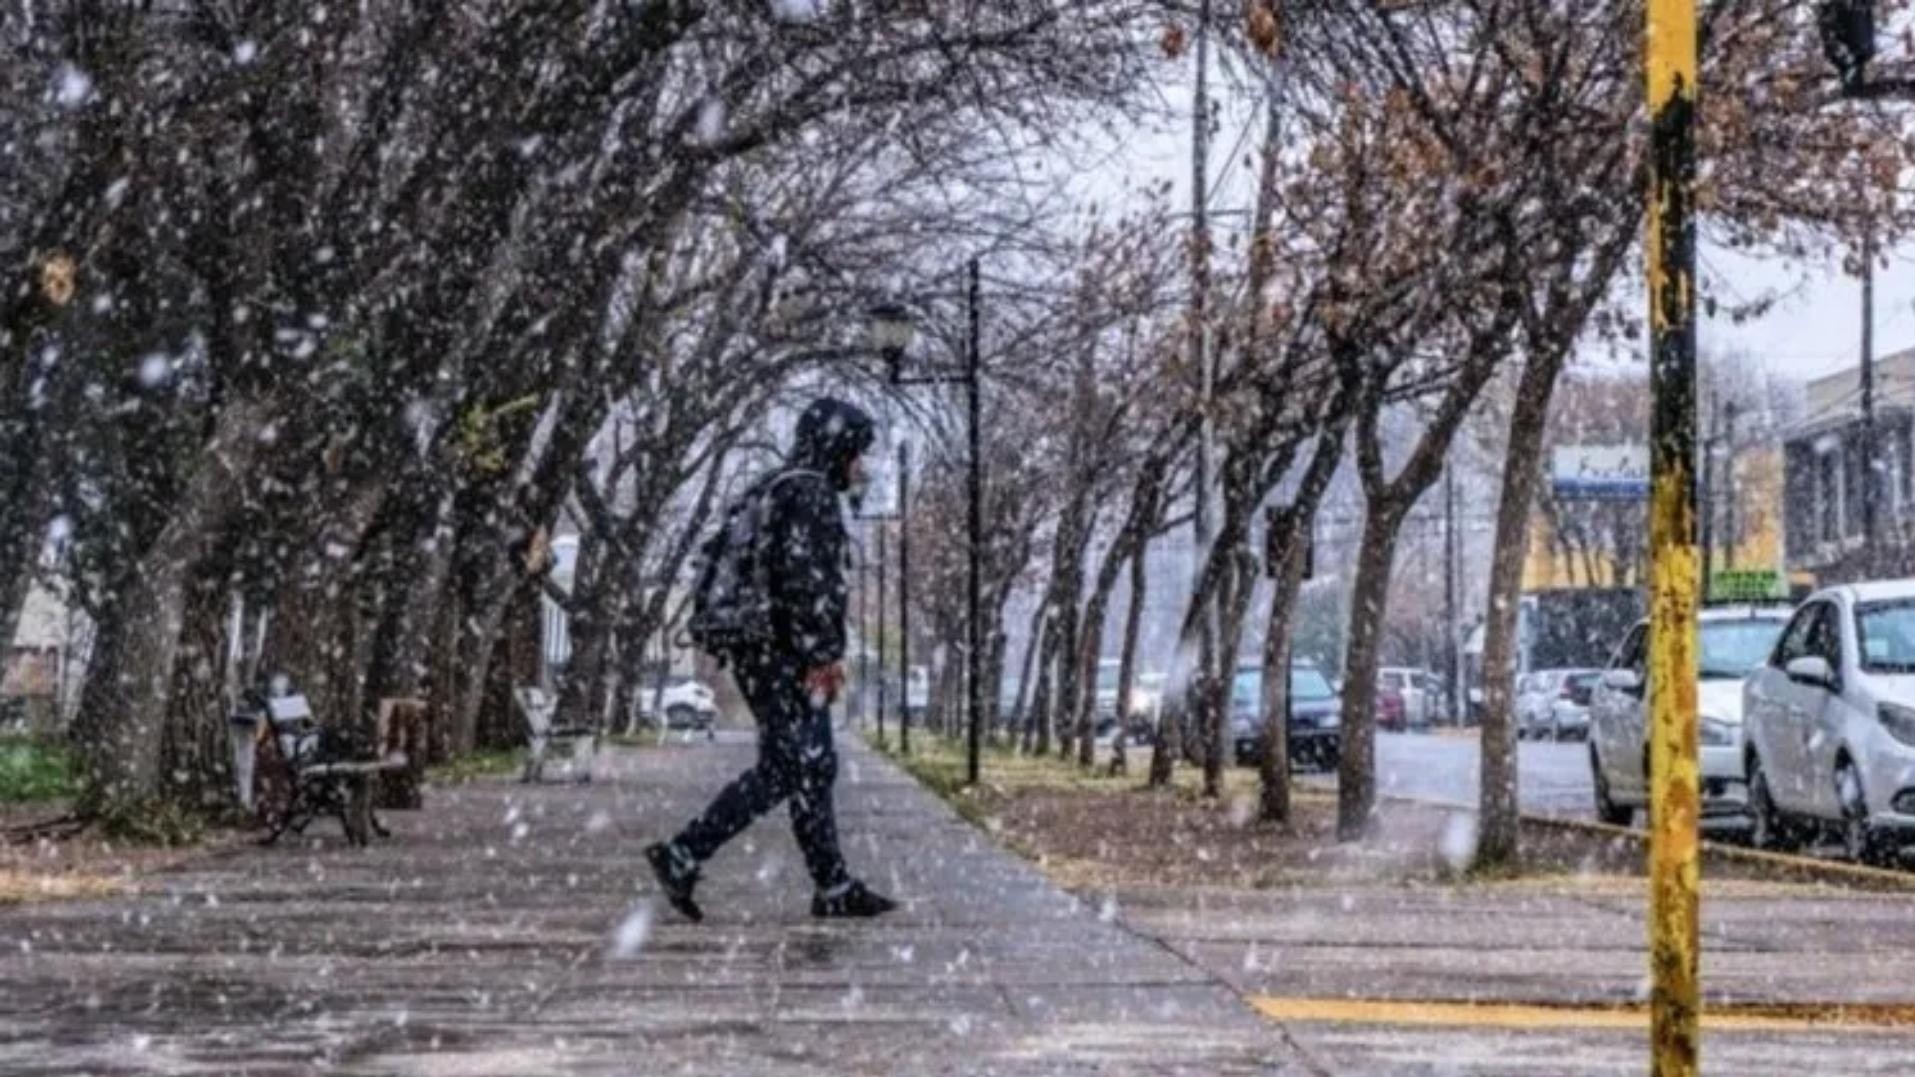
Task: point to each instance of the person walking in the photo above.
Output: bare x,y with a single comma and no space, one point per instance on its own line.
780,597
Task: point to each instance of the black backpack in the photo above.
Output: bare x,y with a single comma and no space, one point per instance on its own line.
731,602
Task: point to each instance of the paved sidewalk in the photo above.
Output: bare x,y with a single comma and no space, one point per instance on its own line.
1350,971
506,930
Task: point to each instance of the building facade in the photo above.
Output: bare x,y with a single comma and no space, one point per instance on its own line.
1827,478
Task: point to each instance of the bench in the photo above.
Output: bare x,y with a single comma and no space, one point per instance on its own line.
306,777
539,706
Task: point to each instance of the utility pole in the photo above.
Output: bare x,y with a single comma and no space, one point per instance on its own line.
904,597
1729,538
864,635
1708,498
881,676
1454,666
974,659
1209,725
1871,480
1672,67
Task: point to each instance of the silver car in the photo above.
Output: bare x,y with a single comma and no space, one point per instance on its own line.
1831,724
1732,641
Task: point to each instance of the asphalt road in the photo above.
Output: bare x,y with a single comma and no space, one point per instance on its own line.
1553,778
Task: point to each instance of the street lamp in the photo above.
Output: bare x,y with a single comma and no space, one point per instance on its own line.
891,332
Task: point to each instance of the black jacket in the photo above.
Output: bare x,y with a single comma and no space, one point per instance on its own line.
809,543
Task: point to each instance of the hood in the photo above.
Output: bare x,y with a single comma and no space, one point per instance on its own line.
1720,699
831,434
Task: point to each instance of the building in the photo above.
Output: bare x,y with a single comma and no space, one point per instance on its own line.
39,677
1825,476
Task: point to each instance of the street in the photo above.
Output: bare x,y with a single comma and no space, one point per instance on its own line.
1554,777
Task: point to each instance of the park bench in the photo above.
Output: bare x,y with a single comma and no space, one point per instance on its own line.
539,707
306,775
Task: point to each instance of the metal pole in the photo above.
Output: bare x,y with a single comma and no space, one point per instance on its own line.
975,657
881,677
1453,647
1870,484
904,597
1675,794
1728,485
864,638
1708,499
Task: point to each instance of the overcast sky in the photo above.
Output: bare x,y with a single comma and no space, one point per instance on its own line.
1813,328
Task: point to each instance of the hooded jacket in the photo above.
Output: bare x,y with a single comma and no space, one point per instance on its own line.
808,536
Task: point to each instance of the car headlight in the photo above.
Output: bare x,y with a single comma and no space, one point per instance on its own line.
1331,719
1716,733
1899,721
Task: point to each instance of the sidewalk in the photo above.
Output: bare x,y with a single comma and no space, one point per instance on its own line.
1548,976
506,930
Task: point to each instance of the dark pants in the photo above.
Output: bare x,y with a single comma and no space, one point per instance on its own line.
796,764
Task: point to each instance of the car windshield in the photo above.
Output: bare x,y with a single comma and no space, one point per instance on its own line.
1307,685
1885,633
1730,649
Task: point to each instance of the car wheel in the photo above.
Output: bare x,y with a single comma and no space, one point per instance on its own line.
1862,842
1768,827
1607,810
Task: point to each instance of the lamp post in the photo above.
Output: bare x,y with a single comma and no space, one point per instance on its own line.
904,588
892,330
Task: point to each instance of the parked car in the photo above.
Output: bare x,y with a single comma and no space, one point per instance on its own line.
686,703
1316,717
1732,642
1416,691
1831,724
1539,693
1569,711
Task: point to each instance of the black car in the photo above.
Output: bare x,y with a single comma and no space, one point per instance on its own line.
1316,717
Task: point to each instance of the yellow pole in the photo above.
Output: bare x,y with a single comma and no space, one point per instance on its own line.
1674,567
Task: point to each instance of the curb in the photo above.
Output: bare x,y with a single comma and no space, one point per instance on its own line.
1789,866
1785,866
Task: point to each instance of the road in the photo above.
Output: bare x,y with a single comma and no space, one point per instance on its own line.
1554,778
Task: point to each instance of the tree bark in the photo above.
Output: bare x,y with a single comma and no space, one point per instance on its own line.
1273,771
120,730
1369,603
1127,663
1499,829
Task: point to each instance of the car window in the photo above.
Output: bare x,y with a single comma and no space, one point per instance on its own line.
1794,643
1392,681
1629,655
1731,648
1885,636
1825,638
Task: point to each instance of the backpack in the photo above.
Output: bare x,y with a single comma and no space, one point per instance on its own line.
731,601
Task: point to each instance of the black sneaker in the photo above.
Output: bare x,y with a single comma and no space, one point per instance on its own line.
676,876
854,902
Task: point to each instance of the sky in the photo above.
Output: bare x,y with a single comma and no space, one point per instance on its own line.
1813,327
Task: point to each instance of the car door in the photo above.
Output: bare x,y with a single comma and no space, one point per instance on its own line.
1608,715
1826,710
1627,766
1787,711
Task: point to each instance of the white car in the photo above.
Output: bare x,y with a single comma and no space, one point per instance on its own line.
1732,641
687,703
1413,687
1539,693
1832,723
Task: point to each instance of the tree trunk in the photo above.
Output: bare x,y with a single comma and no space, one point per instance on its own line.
1274,765
1127,662
1039,743
1500,824
1090,652
1369,604
122,721
1024,685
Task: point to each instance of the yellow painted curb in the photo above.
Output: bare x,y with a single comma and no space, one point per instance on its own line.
1519,1015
